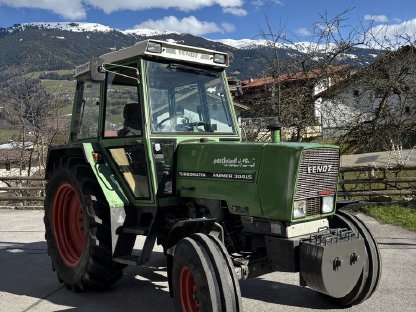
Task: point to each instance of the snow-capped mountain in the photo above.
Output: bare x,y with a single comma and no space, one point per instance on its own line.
302,46
86,27
62,45
244,43
147,32
68,26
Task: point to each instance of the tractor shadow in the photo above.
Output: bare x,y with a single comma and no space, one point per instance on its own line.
26,272
283,294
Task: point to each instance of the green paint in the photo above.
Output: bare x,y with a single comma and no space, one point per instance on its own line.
276,136
208,170
109,185
221,158
277,180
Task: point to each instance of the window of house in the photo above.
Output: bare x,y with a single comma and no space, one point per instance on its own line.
407,109
356,93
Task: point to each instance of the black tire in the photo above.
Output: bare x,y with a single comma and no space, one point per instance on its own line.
80,252
213,287
224,270
370,277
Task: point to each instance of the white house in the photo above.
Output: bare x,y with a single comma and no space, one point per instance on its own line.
385,89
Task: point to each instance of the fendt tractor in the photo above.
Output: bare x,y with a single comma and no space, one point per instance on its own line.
155,150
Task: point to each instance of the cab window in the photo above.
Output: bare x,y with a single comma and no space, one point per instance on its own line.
187,99
123,110
87,109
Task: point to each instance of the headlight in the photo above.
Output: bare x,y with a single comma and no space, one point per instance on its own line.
299,209
327,204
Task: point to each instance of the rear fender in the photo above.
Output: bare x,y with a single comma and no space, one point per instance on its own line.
116,198
59,152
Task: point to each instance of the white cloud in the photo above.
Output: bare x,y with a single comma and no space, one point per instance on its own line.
188,24
109,6
235,11
376,18
73,9
401,33
228,27
326,28
303,32
259,3
77,9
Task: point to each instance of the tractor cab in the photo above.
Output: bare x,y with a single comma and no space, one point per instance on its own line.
138,103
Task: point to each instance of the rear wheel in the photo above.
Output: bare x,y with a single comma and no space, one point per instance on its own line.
77,224
201,277
370,277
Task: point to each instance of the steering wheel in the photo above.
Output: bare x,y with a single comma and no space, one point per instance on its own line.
160,123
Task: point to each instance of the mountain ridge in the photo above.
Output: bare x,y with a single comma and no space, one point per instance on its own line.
63,45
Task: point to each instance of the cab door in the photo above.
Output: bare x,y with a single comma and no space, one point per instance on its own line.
122,135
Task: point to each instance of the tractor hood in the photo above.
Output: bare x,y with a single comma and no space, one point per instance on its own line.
257,179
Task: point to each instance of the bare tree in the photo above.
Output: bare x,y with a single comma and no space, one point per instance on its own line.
299,69
363,109
380,103
35,114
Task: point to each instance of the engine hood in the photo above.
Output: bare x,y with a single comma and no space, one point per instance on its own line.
255,179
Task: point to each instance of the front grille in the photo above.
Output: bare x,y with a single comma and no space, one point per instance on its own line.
316,181
313,206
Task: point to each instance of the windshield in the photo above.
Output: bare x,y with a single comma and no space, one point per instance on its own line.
187,99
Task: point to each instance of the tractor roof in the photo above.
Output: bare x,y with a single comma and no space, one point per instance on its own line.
157,49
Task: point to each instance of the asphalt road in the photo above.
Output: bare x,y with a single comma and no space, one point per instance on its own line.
27,282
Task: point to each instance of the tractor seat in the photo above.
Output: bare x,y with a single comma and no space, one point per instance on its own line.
132,120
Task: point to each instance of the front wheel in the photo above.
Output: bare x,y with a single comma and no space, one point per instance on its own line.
202,278
77,228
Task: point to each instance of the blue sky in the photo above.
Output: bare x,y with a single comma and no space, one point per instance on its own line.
213,19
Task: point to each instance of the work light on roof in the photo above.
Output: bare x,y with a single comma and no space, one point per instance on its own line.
219,58
154,47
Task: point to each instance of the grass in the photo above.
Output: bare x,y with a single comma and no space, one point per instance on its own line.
401,216
6,135
59,86
66,110
37,74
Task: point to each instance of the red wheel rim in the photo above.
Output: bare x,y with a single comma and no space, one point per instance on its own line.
68,223
188,291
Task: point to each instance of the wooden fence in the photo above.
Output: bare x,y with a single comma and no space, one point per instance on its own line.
372,182
22,191
367,182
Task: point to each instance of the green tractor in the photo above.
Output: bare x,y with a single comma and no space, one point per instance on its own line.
155,150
